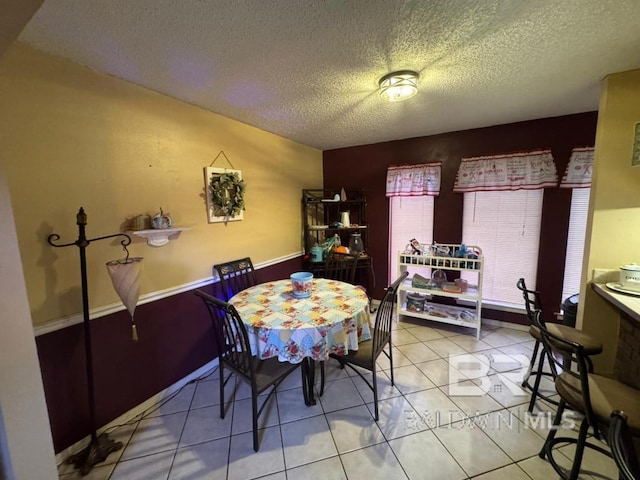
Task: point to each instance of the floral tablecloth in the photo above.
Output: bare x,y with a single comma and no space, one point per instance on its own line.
333,320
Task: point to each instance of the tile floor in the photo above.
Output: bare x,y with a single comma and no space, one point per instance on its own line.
435,422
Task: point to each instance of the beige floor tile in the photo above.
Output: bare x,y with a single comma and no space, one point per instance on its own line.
510,434
154,466
444,347
354,428
410,379
506,392
518,335
510,472
397,418
373,463
340,394
399,360
540,469
155,435
434,408
423,456
425,333
594,463
179,402
437,371
470,344
329,469
204,424
291,406
202,461
245,463
418,352
208,392
403,337
307,441
496,340
472,448
243,417
473,400
385,389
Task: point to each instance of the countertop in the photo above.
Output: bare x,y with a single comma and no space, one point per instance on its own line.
630,304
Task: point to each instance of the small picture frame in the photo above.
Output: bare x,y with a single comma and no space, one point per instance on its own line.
635,156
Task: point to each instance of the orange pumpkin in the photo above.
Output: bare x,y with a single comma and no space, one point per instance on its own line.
341,249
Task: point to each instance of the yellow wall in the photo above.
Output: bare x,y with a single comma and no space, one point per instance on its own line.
614,231
72,137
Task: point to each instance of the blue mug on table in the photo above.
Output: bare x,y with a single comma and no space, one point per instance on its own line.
301,283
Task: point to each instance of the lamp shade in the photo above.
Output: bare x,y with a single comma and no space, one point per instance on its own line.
399,85
125,276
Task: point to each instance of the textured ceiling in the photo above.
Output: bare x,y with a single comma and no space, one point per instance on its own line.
308,69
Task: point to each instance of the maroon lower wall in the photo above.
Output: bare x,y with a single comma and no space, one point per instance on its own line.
175,340
366,167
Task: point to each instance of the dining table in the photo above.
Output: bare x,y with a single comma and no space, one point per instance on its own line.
332,320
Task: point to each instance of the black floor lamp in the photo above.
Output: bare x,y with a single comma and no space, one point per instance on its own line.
100,446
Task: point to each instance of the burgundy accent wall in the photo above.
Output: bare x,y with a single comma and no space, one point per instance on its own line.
175,340
366,167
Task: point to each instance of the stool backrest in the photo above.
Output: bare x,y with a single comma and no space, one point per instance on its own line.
532,301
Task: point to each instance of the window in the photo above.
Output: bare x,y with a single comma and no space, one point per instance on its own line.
410,217
506,226
575,241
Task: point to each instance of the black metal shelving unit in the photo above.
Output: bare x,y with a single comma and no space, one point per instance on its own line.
320,210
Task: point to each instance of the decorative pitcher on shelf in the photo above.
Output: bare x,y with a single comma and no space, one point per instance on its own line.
344,219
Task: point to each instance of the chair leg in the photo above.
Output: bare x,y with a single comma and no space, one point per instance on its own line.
375,394
532,364
321,379
536,384
221,389
577,459
390,362
546,448
254,413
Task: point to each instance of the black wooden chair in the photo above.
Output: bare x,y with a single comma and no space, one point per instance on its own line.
532,303
594,396
340,266
369,351
622,448
235,276
234,350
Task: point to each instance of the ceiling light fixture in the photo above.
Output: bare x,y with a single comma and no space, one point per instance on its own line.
399,85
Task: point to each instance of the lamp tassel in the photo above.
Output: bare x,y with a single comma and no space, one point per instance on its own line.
134,332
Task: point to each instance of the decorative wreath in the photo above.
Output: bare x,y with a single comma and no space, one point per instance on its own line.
227,193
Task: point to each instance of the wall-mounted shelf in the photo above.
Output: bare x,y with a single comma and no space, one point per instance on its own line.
158,237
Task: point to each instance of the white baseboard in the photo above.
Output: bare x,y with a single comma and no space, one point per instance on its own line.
138,410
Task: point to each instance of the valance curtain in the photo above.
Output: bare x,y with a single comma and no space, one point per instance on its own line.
515,171
579,169
414,180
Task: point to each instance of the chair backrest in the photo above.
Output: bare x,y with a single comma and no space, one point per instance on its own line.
340,266
532,301
231,336
570,367
621,444
236,276
384,317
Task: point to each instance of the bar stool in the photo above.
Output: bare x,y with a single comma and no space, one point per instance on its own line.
590,345
594,396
